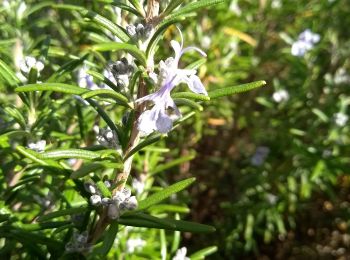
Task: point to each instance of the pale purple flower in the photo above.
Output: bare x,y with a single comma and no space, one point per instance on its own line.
85,80
306,41
260,155
159,118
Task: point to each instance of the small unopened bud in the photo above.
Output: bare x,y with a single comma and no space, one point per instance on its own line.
113,211
89,187
107,183
95,200
126,192
131,30
119,197
131,203
106,201
81,238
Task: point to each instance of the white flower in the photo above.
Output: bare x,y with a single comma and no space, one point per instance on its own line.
306,41
138,185
341,119
158,118
38,146
133,244
30,62
85,80
181,254
280,95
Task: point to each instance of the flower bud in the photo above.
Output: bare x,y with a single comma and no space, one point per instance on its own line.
95,200
113,211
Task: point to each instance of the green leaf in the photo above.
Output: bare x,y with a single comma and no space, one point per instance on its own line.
170,164
17,115
171,6
188,102
34,8
105,80
165,193
41,226
117,46
186,226
98,19
86,169
190,95
161,208
157,36
149,140
141,216
108,239
192,7
227,91
195,65
320,114
7,73
109,25
107,119
107,93
104,190
66,68
63,212
178,225
34,156
138,6
125,7
69,153
57,87
201,254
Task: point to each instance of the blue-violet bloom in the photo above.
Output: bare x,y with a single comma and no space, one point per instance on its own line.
159,118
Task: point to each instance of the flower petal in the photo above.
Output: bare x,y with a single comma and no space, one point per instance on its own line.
190,48
197,86
147,121
163,123
177,48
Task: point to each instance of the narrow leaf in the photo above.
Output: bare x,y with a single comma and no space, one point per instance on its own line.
106,93
117,46
227,91
57,87
190,95
188,102
165,193
201,254
7,73
69,153
150,140
108,239
171,6
63,212
194,6
170,164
